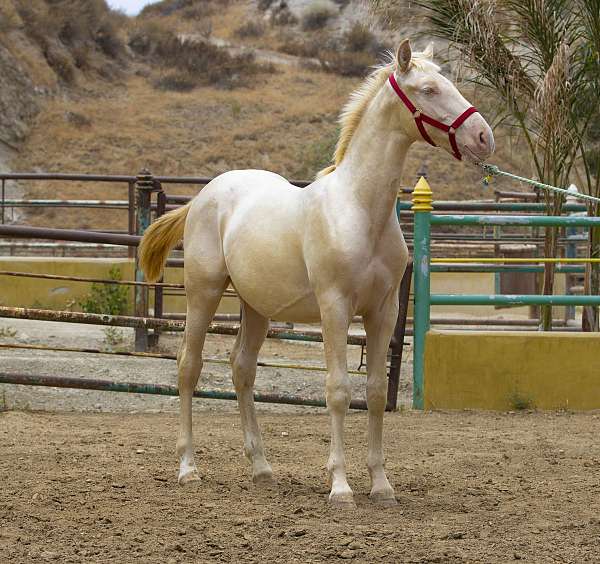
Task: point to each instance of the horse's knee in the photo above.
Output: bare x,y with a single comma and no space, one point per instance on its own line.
243,369
338,392
376,394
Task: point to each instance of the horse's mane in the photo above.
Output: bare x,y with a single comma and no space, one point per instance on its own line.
360,99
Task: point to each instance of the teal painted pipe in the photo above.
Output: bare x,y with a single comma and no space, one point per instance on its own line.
523,220
509,299
502,268
490,206
421,275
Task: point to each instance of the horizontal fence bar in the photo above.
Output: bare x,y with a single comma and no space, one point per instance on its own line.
98,204
156,389
154,323
86,279
508,299
463,268
29,232
491,206
163,356
515,260
64,176
521,220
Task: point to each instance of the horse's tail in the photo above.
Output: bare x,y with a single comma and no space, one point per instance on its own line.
325,171
159,239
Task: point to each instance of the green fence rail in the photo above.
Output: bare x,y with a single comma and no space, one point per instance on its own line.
424,218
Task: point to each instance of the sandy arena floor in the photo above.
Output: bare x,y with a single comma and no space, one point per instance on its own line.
472,487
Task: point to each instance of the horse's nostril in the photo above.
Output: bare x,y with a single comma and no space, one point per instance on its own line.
482,138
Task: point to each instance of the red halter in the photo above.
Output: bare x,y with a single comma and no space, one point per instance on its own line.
420,117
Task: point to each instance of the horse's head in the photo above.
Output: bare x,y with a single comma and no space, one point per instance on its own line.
434,110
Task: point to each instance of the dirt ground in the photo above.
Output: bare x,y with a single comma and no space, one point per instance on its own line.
91,476
472,487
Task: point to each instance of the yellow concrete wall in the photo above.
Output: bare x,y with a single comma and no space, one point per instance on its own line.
512,370
57,294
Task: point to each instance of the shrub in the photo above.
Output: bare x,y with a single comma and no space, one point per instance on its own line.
346,64
60,63
9,17
176,81
252,28
317,14
264,5
111,299
359,38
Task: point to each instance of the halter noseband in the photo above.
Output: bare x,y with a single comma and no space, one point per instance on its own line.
420,117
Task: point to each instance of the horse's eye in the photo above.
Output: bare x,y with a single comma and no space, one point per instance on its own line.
428,91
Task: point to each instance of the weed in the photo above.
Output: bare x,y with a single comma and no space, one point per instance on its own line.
520,403
7,332
236,108
111,299
113,336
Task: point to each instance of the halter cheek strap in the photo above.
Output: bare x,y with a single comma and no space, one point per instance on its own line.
421,118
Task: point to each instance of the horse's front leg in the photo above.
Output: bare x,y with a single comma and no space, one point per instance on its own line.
379,325
335,320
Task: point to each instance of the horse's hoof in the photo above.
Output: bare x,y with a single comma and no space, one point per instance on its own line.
264,477
384,499
188,477
343,501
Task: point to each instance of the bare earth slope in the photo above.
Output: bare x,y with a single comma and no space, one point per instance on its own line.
285,122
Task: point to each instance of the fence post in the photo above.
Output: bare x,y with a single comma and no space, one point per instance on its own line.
571,252
161,208
145,185
131,227
398,340
422,199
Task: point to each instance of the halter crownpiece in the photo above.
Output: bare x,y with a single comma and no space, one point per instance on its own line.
420,117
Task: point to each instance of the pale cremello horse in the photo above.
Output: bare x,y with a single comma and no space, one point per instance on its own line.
323,253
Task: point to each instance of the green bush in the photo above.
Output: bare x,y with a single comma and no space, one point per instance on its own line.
111,299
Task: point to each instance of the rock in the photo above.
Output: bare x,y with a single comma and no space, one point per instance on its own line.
347,554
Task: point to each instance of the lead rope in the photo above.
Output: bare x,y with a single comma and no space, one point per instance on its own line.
493,170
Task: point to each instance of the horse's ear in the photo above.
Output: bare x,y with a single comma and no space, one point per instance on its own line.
428,53
404,55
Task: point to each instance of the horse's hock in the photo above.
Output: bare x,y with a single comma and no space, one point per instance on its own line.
511,370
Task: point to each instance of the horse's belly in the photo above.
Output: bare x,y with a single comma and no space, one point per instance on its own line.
276,293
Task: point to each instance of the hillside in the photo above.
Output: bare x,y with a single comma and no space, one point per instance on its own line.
254,86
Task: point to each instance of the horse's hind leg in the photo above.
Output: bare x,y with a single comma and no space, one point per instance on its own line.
252,333
203,298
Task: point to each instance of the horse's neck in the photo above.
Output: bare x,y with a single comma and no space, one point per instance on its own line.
372,167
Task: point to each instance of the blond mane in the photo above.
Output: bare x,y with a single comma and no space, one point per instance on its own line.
359,101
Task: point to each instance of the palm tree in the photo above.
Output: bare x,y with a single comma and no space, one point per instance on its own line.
542,59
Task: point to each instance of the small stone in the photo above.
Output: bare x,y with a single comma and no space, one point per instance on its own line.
298,532
48,555
355,545
140,451
285,434
517,556
456,535
347,554
118,486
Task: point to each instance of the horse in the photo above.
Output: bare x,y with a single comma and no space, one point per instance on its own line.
327,252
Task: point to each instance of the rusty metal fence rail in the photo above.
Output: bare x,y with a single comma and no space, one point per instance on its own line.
145,196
